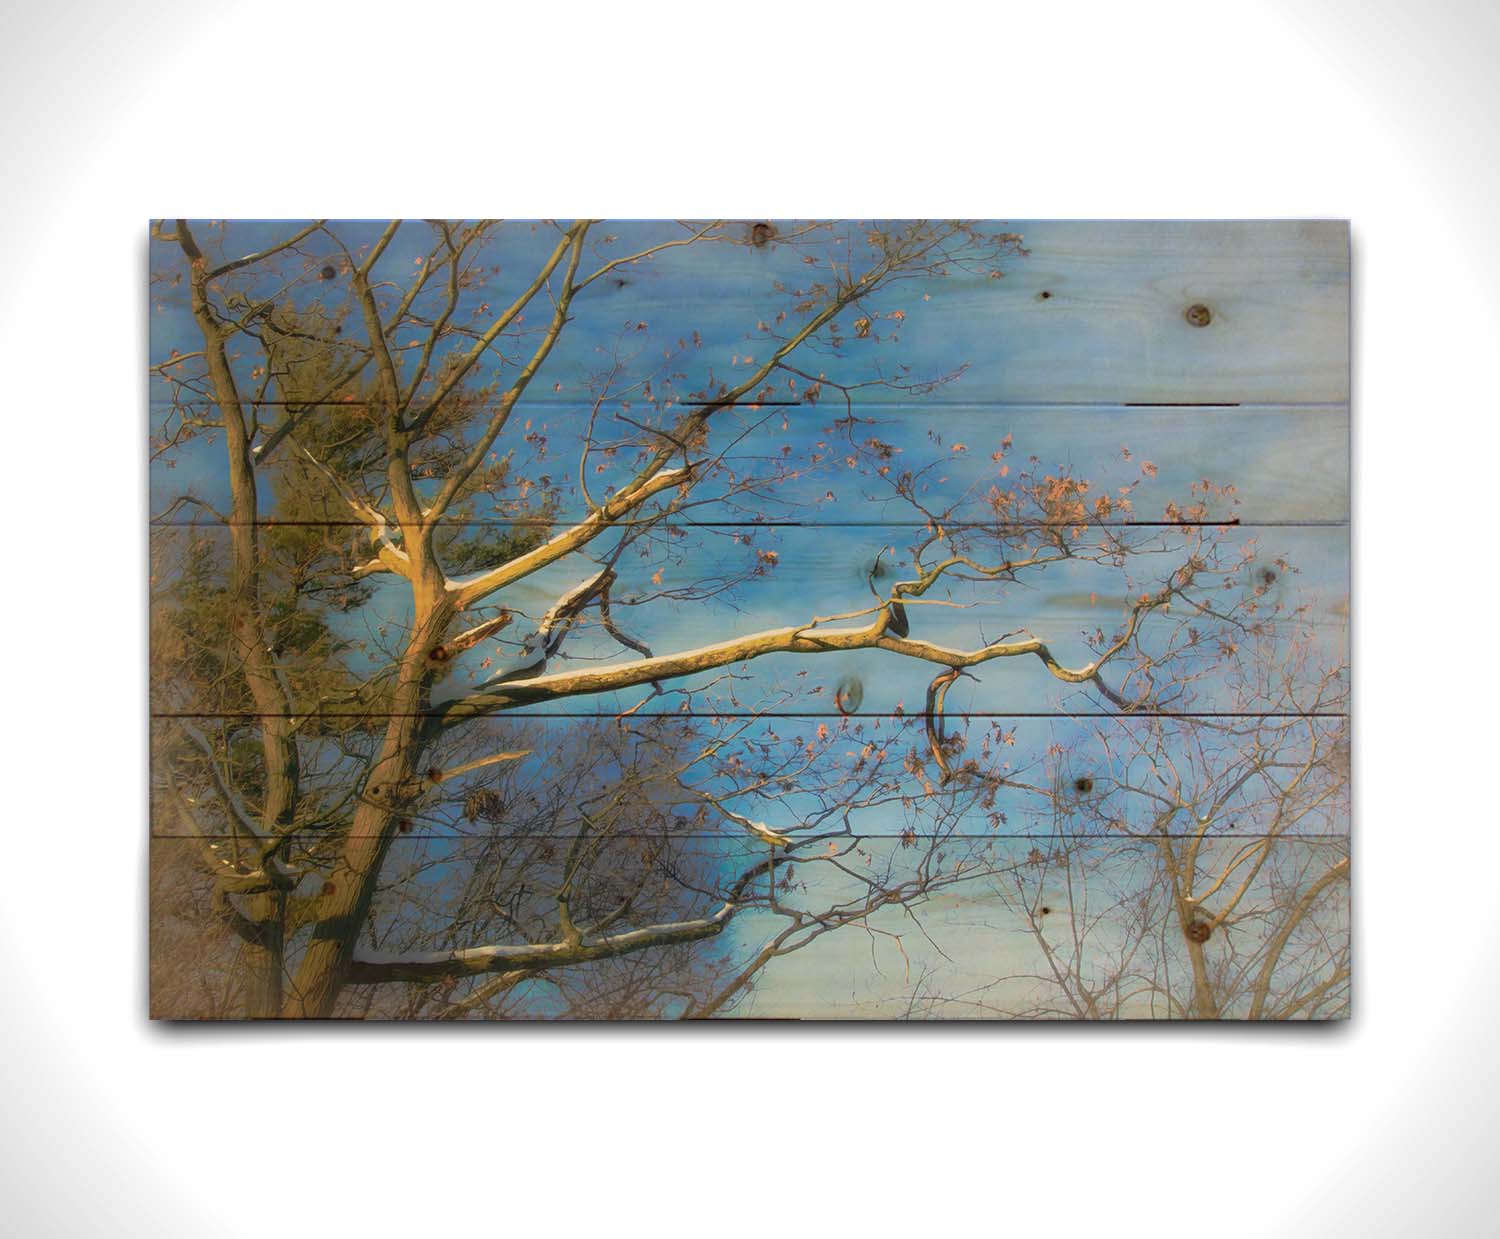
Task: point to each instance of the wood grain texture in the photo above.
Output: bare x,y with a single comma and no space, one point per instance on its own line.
1093,312
682,588
1054,912
798,774
845,619
822,464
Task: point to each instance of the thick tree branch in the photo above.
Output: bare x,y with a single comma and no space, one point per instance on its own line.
1260,992
374,968
476,588
371,968
542,644
260,255
391,556
571,240
801,639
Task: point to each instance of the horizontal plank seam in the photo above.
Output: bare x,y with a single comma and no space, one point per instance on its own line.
729,834
884,406
915,716
502,523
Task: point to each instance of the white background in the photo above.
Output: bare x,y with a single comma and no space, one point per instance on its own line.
114,112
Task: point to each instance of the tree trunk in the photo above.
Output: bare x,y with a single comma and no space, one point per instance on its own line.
249,638
251,642
1204,1006
263,956
391,784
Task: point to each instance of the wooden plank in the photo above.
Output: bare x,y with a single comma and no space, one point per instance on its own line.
1109,312
1098,311
1056,944
680,588
1069,909
820,464
811,777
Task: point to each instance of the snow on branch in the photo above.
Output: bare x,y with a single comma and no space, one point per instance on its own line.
759,829
388,553
477,587
542,644
372,967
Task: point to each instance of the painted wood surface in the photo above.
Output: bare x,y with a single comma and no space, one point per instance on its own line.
684,588
990,950
788,770
825,465
1017,593
1094,313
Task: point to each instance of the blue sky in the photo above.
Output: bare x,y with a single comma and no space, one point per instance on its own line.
1081,356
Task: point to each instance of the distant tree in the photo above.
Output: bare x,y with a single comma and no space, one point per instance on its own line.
1195,868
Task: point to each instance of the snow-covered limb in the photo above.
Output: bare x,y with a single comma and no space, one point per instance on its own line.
504,694
387,552
544,642
759,829
435,777
477,587
370,567
371,967
566,608
235,264
230,798
233,874
273,868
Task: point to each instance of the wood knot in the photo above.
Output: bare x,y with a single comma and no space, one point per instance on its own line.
849,695
329,888
1198,315
439,654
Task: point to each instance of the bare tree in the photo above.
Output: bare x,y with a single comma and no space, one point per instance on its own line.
307,715
1191,868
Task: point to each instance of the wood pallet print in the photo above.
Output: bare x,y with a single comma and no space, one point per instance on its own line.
749,619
